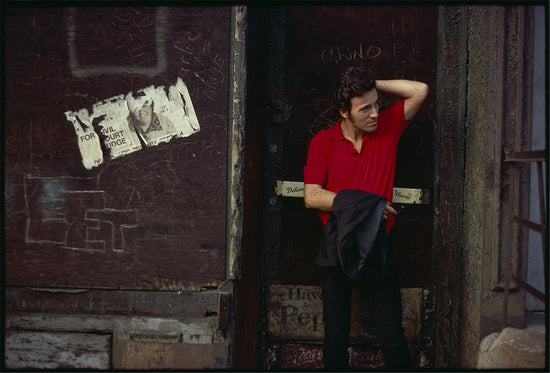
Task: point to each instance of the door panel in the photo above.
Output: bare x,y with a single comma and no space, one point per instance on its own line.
309,46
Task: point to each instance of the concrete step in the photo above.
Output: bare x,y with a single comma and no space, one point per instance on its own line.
514,348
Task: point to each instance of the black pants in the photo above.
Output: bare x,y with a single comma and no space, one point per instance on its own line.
384,299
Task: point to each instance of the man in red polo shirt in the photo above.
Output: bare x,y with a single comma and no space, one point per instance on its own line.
359,153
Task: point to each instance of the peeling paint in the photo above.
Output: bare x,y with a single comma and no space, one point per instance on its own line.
57,350
295,312
237,82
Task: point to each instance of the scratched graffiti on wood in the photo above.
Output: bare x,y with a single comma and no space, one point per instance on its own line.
295,312
74,217
133,41
66,212
393,42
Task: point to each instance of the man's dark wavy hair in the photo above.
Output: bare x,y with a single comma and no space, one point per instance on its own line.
354,81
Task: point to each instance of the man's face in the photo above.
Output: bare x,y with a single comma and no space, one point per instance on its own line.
144,116
364,111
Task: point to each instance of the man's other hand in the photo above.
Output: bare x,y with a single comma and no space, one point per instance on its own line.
389,210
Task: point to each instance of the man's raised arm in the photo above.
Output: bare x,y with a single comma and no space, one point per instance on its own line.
413,92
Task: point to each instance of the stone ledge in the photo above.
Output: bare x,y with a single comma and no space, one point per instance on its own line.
514,349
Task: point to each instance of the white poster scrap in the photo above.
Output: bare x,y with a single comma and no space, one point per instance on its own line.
88,140
158,118
181,100
119,135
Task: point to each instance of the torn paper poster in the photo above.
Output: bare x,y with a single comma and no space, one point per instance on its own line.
179,96
150,114
119,135
88,140
157,118
148,109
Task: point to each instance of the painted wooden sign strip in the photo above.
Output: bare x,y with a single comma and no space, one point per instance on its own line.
400,195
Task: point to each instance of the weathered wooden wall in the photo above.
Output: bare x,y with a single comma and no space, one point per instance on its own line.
449,180
123,264
117,261
105,329
149,219
499,113
484,97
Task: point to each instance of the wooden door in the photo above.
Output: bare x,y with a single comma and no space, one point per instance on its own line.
307,48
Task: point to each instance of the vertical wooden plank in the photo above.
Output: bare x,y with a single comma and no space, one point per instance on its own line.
236,132
499,104
248,282
224,300
449,181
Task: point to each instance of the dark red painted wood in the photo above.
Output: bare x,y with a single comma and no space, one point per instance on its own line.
161,209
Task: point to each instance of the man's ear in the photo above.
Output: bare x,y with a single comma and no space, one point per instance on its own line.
344,112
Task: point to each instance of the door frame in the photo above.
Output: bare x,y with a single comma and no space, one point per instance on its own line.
445,292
